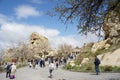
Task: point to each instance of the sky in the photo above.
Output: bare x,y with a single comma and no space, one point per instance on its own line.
20,18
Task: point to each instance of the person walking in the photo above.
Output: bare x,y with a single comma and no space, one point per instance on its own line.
97,63
8,69
13,70
51,68
56,64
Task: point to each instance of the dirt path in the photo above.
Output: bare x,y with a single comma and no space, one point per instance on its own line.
27,73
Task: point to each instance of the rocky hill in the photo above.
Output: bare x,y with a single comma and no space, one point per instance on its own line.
37,45
110,58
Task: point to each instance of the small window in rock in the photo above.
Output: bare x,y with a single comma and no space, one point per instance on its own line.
32,42
34,38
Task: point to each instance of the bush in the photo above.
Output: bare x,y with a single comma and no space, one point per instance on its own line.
21,65
72,68
68,67
110,69
116,69
77,62
83,68
89,68
2,69
106,68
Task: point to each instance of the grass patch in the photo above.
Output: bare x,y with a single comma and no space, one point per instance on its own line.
78,68
91,68
21,65
116,69
110,69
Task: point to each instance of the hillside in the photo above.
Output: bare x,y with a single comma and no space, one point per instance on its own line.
110,58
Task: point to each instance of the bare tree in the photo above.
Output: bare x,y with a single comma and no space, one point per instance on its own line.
65,49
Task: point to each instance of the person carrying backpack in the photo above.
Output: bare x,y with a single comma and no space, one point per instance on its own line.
97,62
8,69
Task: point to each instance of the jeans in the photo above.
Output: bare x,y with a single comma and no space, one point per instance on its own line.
97,69
7,74
50,71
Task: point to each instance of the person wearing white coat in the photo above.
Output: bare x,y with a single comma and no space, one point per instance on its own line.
13,70
51,68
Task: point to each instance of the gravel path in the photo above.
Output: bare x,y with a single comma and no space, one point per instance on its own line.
27,73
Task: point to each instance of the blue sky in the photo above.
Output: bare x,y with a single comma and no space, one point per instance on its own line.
19,18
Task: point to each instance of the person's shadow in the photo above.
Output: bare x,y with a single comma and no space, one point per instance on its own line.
50,76
94,74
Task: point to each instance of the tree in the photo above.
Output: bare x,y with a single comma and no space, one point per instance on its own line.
65,49
17,51
89,14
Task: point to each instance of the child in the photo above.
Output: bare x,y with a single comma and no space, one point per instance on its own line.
51,68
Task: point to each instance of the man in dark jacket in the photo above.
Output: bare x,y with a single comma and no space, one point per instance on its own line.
8,70
97,62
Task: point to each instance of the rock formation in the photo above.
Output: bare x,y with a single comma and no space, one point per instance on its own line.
104,44
85,61
111,25
38,43
110,58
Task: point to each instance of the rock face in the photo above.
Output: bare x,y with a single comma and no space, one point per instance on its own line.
100,45
39,43
85,61
36,39
110,58
111,25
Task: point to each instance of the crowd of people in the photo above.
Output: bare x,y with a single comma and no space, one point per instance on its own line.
41,62
53,62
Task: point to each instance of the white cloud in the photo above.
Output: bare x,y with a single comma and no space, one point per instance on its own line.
12,32
25,11
74,40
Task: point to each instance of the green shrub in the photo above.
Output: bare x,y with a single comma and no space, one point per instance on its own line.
68,67
77,62
75,68
83,68
2,69
89,68
106,68
21,65
116,69
110,69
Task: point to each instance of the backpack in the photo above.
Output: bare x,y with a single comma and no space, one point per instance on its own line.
98,62
8,68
